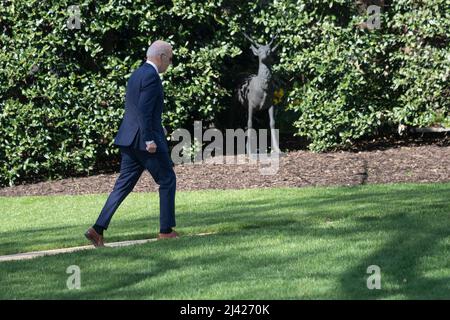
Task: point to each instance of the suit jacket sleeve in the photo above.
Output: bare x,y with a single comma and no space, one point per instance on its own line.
146,104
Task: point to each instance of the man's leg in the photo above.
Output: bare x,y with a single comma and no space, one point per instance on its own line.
159,165
130,171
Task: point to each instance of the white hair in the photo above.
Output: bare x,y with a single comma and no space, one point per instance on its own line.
157,48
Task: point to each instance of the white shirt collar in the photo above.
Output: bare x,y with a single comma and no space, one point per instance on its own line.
154,66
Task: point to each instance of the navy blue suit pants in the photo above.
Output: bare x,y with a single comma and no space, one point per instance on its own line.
133,163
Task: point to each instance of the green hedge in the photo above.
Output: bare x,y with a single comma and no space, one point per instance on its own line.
62,91
354,81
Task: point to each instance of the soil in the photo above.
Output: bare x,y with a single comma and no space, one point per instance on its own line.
383,163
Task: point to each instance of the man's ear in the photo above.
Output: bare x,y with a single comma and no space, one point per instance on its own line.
255,51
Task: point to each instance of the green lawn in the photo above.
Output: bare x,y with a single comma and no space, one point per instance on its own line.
287,243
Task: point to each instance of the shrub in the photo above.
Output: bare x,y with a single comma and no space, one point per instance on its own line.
62,90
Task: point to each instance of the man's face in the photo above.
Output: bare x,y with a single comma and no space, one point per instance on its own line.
166,60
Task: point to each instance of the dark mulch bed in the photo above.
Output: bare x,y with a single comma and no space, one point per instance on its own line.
395,163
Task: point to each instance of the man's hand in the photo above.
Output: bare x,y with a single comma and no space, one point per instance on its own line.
151,147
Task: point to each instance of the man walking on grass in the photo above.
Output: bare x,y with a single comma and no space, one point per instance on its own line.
142,143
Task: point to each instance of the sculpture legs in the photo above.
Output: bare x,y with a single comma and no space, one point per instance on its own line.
251,147
275,147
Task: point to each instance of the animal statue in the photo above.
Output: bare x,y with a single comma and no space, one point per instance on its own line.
257,91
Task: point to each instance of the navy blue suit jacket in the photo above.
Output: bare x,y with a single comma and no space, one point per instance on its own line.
144,105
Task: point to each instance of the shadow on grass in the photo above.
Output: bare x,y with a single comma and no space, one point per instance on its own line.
410,224
403,261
